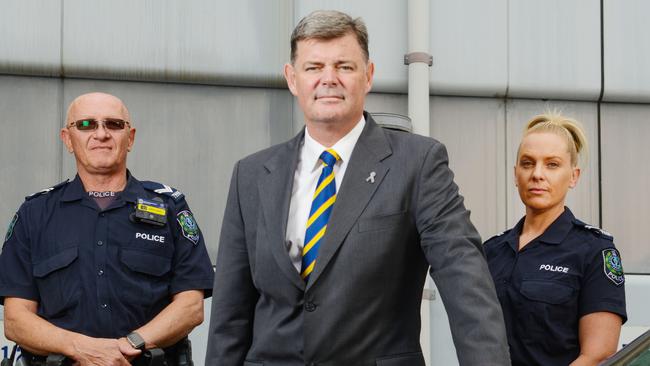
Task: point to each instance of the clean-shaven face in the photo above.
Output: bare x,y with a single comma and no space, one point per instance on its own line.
330,79
544,172
101,150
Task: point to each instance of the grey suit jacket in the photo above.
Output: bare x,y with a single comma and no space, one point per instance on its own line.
362,303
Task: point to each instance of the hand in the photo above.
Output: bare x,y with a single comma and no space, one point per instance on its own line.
127,350
102,352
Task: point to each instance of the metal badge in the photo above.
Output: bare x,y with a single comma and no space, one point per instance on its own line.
371,177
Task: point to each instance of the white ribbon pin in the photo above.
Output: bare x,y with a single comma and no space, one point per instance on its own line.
371,177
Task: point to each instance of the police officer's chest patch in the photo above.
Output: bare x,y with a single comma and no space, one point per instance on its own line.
612,266
188,226
10,229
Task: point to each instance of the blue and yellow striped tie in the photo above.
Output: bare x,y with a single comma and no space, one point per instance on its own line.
321,208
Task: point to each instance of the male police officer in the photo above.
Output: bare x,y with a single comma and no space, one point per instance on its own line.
100,268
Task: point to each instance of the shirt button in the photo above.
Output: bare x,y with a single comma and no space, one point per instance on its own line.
100,243
100,272
104,306
102,214
310,306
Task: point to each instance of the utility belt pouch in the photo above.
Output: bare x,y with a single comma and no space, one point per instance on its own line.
185,352
55,360
154,357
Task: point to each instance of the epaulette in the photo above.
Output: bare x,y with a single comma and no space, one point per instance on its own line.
47,190
596,230
498,235
163,189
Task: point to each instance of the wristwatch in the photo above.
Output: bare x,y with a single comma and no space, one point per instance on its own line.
135,340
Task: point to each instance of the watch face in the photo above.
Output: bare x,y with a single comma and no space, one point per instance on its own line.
136,341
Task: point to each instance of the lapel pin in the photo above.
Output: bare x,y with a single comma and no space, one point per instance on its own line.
371,177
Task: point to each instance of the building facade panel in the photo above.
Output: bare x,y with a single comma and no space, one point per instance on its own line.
554,49
625,181
30,149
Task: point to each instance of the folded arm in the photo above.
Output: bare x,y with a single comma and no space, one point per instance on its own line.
38,336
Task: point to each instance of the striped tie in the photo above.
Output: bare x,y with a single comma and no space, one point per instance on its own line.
321,208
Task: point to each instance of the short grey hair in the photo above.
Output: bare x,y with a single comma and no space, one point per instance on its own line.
326,25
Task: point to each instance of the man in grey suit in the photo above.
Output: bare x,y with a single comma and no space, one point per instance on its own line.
375,208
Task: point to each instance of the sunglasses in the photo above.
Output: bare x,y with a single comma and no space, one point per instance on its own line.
91,124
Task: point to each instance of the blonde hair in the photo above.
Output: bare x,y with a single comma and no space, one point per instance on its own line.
568,128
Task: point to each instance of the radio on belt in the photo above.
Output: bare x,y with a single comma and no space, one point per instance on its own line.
152,212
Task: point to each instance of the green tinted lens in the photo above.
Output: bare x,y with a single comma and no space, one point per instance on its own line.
86,124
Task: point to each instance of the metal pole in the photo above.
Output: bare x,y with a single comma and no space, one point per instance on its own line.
418,60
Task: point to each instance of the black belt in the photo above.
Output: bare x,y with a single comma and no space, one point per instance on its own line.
30,359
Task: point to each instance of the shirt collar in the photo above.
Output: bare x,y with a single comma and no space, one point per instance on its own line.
559,229
554,234
75,190
133,189
344,147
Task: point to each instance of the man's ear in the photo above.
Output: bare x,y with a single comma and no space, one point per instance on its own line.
65,137
290,76
131,138
370,72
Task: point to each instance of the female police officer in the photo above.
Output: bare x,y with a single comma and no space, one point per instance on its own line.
559,280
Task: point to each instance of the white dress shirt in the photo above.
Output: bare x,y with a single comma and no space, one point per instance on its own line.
305,179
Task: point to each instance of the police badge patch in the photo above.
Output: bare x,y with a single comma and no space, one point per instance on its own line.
188,226
10,229
613,267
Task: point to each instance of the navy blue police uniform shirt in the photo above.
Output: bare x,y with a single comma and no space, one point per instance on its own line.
569,271
99,272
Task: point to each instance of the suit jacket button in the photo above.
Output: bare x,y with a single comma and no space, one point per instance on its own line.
310,306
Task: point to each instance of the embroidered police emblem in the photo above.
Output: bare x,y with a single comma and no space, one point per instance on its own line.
10,229
613,267
188,226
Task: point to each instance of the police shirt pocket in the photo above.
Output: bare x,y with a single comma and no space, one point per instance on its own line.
382,222
404,359
147,283
58,285
547,291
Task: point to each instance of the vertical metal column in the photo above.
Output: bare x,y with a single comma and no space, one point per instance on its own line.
418,60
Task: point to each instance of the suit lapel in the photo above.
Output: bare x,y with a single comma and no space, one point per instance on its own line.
355,192
275,196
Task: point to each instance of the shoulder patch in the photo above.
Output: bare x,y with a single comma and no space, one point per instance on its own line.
188,226
596,230
612,266
163,189
10,229
47,190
